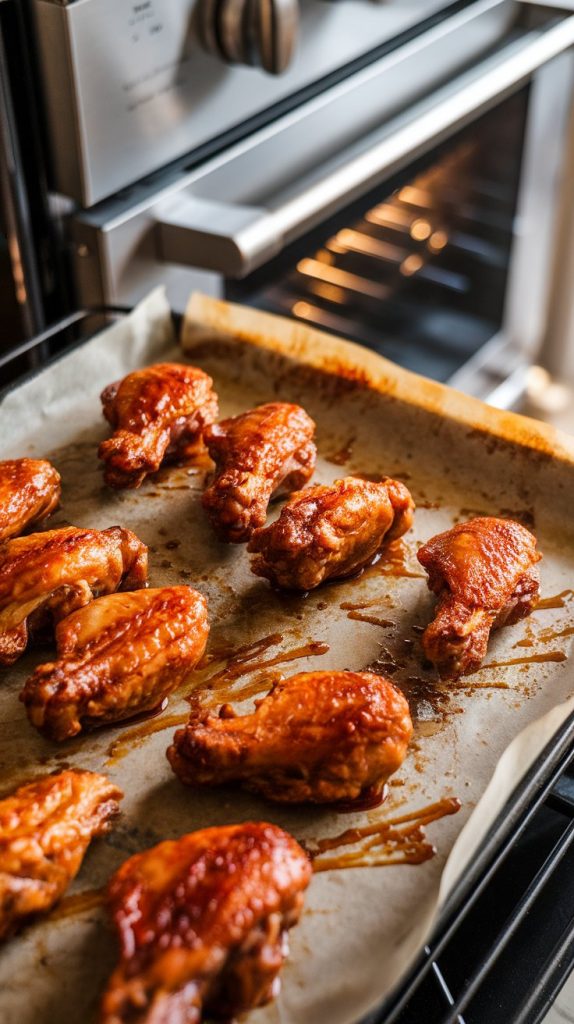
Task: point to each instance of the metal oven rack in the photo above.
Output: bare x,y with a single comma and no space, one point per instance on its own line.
504,943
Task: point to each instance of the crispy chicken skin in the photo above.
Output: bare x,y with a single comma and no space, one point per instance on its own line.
29,493
262,453
321,737
48,575
484,575
203,923
156,413
45,830
329,532
119,656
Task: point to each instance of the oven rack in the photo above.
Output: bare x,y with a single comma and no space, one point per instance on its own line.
504,942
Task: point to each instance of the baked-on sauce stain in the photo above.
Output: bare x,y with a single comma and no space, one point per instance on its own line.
556,601
144,716
395,562
359,606
241,663
366,801
77,902
261,684
240,655
235,669
546,636
372,619
400,840
549,656
135,737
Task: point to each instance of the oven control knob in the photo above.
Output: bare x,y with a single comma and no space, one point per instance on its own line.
261,33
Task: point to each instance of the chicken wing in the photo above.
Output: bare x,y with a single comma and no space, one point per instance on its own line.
322,737
262,453
45,830
45,576
330,532
483,573
157,413
119,656
29,493
203,923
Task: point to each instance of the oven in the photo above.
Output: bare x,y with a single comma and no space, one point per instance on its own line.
397,173
400,182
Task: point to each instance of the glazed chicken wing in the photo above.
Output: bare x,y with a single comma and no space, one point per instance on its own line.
48,575
262,453
45,830
328,532
119,656
29,493
483,573
203,923
322,737
156,413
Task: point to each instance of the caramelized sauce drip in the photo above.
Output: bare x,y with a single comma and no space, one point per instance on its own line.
556,601
240,656
77,903
135,737
360,605
144,716
261,684
549,656
366,801
394,561
234,669
372,619
546,636
400,840
244,661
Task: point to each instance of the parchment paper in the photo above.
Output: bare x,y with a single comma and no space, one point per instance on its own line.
361,928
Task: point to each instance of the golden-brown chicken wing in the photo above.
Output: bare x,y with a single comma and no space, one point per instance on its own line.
203,923
483,573
322,737
45,830
119,656
156,413
45,576
330,532
29,493
262,453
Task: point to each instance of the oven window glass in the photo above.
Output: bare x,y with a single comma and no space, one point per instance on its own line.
417,270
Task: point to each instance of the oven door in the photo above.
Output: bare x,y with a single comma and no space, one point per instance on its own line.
426,234
128,86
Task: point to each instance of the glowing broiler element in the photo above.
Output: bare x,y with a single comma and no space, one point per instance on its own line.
332,275
349,240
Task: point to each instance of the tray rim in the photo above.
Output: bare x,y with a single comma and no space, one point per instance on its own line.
338,357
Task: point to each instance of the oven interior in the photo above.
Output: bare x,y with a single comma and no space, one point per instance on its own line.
417,270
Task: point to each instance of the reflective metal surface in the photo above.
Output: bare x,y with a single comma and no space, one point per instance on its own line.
129,87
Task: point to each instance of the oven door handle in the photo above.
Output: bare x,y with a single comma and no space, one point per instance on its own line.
235,239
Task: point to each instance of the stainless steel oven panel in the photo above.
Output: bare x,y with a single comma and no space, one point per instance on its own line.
498,371
122,246
128,86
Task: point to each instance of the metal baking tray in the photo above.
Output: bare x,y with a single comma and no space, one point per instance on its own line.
361,941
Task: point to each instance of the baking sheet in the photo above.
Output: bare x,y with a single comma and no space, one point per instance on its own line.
361,927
